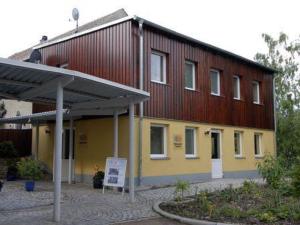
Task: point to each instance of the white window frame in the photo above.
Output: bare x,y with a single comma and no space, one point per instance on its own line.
259,145
164,75
238,87
219,82
193,75
258,94
195,142
164,155
240,144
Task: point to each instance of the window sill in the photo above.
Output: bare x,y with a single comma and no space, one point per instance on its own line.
160,158
259,156
239,157
190,89
258,104
192,157
158,82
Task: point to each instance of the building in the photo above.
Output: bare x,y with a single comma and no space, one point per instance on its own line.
210,114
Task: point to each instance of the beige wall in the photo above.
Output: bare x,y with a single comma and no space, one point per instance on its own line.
99,145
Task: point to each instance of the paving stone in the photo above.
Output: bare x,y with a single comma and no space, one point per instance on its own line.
82,205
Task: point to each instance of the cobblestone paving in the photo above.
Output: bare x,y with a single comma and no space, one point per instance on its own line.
83,205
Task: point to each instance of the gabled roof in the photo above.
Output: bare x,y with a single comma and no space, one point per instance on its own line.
121,13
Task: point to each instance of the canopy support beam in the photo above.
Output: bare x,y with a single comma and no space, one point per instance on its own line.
116,134
58,151
71,149
131,152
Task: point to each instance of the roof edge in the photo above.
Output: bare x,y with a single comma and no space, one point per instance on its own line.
223,51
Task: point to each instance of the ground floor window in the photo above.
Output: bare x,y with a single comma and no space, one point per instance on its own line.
158,141
190,142
257,144
237,143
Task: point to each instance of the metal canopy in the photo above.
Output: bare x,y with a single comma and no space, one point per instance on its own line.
37,83
80,93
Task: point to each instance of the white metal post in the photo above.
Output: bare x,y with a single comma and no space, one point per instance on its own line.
116,135
131,152
58,151
37,136
70,171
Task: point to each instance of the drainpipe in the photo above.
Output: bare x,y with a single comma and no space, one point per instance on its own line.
275,117
141,106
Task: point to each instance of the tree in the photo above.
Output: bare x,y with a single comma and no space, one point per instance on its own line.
284,56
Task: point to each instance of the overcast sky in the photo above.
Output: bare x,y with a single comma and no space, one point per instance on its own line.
235,25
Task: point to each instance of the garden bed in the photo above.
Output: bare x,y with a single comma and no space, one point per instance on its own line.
250,204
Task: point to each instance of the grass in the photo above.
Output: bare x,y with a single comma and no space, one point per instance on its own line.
250,204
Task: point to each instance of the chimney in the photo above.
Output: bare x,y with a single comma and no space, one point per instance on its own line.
44,39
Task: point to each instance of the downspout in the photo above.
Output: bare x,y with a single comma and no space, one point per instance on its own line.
141,106
275,117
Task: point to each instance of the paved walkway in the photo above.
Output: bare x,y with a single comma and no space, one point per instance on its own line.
82,205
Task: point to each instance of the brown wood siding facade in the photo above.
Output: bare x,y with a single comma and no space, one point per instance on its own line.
113,53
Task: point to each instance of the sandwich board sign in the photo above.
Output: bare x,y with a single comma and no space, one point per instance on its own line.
115,172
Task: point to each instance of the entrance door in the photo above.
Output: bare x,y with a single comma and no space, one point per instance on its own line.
216,158
65,154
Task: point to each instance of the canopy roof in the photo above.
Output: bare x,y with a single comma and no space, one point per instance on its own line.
83,94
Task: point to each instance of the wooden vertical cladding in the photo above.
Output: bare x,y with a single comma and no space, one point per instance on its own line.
113,53
173,101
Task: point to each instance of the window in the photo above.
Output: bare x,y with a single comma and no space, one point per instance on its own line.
237,144
189,75
255,87
236,88
158,141
158,67
215,82
190,142
257,144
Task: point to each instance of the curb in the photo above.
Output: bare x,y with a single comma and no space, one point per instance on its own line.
181,219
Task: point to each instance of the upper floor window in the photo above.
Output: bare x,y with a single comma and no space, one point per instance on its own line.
215,82
236,88
190,142
189,75
158,141
257,144
237,144
158,67
255,90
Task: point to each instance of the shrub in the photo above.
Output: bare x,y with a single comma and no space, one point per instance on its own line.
7,150
272,171
29,169
295,175
181,187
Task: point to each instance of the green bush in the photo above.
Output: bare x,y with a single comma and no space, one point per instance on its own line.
29,169
272,171
295,175
180,188
7,150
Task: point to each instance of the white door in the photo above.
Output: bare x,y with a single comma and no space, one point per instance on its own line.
65,154
216,158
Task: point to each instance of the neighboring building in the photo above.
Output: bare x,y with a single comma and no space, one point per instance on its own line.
210,113
14,108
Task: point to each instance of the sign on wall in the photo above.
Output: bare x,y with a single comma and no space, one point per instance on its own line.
115,172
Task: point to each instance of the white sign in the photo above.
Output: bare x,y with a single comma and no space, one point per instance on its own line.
115,172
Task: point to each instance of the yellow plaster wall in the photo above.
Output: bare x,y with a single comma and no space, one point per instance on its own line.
99,144
176,163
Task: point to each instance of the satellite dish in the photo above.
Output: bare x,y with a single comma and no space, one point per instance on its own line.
75,14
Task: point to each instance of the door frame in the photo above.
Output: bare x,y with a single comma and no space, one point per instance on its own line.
218,131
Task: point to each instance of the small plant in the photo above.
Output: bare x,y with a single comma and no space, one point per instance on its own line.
7,150
180,188
272,171
98,178
296,179
29,169
267,217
